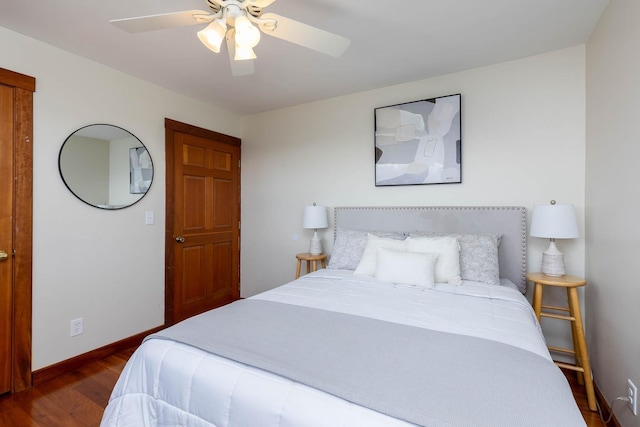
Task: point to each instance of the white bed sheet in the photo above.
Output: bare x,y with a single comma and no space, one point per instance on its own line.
185,386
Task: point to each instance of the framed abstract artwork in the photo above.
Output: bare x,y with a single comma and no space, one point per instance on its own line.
419,142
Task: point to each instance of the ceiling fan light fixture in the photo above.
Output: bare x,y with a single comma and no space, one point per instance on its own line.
213,35
240,23
247,35
244,53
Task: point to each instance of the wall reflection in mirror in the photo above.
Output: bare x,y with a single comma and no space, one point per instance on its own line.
105,166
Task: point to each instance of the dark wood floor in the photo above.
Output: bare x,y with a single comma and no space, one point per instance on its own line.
79,397
76,398
592,418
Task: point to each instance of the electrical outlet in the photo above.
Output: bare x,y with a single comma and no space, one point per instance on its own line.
77,327
633,397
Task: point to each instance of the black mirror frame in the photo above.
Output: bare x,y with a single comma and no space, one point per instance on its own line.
85,201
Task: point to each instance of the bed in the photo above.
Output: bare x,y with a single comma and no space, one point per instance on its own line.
419,319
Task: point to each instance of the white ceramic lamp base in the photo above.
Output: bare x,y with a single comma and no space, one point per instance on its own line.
553,261
315,248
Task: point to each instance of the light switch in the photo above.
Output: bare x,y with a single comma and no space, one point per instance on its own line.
148,217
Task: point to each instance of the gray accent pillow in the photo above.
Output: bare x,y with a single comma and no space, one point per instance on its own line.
478,255
349,246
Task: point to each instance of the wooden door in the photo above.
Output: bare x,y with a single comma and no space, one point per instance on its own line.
203,220
6,235
16,201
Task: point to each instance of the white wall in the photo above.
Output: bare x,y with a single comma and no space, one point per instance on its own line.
104,266
523,144
613,292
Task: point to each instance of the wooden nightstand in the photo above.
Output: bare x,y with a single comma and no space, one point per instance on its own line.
312,262
579,352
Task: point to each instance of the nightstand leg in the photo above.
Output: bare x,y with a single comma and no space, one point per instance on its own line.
537,299
298,269
581,350
576,345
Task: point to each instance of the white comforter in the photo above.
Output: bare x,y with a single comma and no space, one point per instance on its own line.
167,383
499,313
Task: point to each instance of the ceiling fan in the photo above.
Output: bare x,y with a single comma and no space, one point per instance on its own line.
243,36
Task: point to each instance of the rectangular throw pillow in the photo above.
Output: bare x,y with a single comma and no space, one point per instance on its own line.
478,255
408,268
448,250
350,244
367,264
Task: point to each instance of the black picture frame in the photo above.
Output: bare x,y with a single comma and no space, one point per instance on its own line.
419,142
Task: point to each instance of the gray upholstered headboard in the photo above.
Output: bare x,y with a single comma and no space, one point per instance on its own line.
509,221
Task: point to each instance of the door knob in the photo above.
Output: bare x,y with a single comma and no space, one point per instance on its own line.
3,255
180,239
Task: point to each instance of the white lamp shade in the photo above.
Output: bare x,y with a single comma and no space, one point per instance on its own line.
244,53
315,217
213,35
247,36
554,221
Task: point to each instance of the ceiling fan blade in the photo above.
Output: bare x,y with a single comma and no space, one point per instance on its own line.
165,20
304,35
238,68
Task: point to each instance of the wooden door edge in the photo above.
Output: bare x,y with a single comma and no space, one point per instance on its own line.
23,228
169,214
23,242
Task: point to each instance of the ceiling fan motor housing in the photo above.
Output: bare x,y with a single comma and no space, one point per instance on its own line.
252,9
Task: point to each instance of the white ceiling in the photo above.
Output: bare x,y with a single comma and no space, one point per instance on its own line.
391,42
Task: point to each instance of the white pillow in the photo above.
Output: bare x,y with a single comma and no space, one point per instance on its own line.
408,268
368,261
349,245
448,250
478,255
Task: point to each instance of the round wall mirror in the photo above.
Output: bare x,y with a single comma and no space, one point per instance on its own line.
105,166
